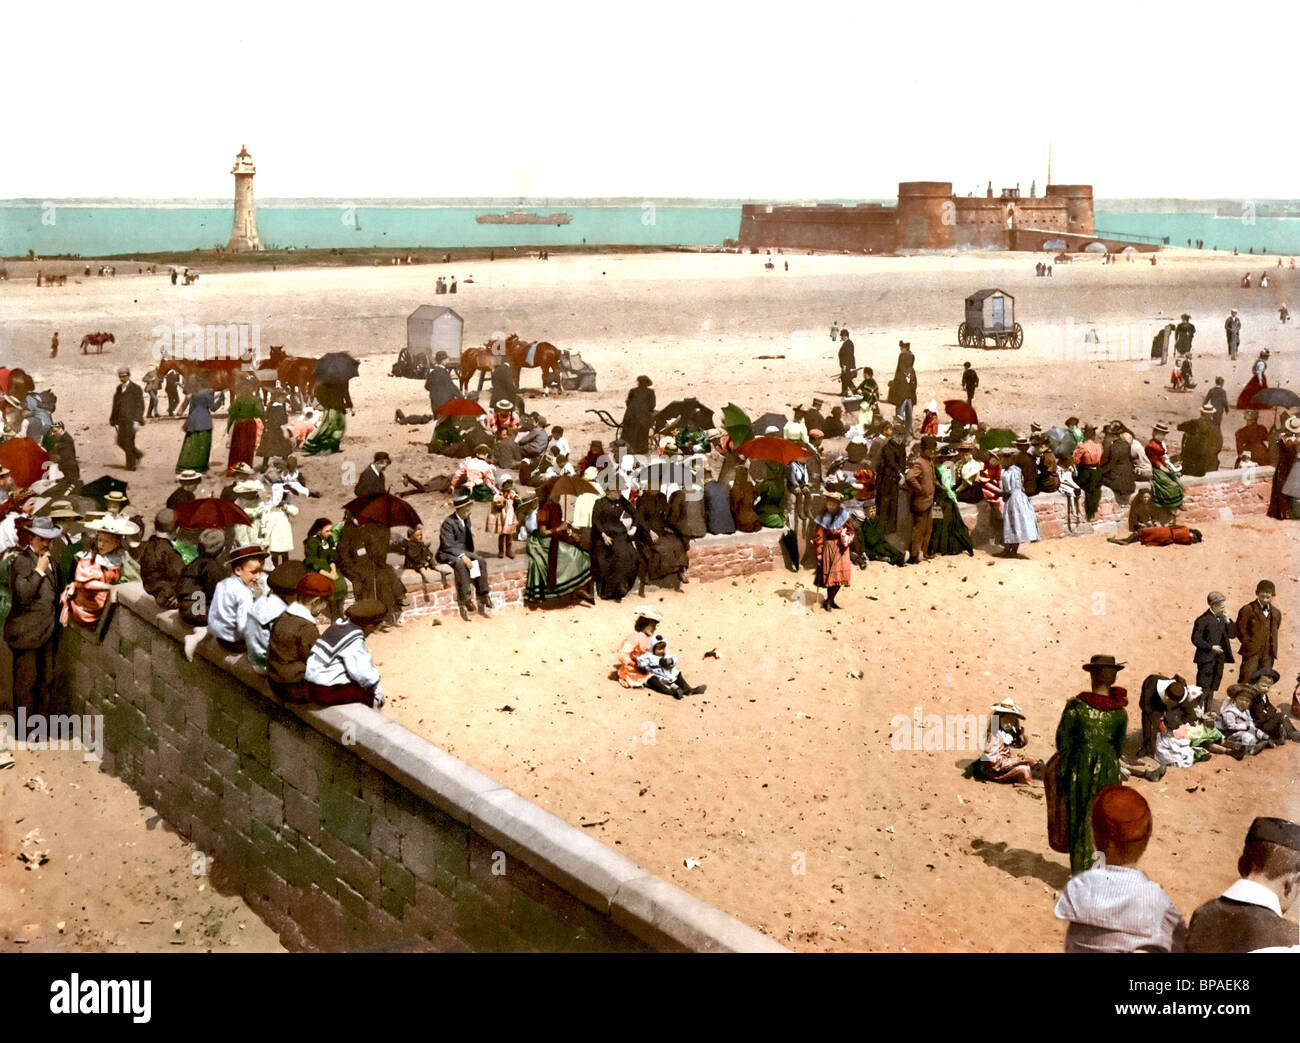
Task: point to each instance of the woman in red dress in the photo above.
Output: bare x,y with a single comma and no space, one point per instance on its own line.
1257,383
832,537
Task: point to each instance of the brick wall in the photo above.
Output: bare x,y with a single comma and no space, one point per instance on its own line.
343,829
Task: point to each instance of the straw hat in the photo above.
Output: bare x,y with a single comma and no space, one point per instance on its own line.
1007,708
646,612
248,553
1293,424
189,476
248,488
505,405
62,509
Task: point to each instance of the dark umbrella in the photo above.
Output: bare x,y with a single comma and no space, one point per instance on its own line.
460,407
1275,398
335,367
960,410
210,512
736,424
691,412
25,459
998,438
383,508
777,450
101,487
767,420
1061,441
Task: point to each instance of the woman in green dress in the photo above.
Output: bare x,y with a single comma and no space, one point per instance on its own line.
334,399
320,554
771,498
1089,739
949,534
557,564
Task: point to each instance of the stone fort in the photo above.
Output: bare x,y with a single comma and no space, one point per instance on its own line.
927,217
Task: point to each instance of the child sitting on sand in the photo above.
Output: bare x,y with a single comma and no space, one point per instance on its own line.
1240,734
662,668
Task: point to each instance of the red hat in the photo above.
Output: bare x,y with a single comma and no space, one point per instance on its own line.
315,585
1121,814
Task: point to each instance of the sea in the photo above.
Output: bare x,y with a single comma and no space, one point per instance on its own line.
101,228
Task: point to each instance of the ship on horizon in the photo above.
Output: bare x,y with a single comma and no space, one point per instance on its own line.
523,217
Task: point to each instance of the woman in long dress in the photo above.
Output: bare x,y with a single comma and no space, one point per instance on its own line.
636,644
832,537
1089,739
741,499
196,450
557,565
949,534
1166,487
244,428
772,498
662,552
334,399
1019,523
1284,501
1257,383
638,416
613,557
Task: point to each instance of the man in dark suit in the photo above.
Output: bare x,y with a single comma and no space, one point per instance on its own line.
1257,627
1232,327
848,365
33,617
456,548
127,414
372,478
1250,914
1212,634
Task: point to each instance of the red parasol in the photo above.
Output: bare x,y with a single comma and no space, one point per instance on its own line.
460,407
27,461
210,512
383,508
777,450
961,411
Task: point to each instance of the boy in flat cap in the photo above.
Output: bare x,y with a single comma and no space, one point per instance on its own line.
1258,624
161,564
281,584
1212,634
339,669
1249,915
294,634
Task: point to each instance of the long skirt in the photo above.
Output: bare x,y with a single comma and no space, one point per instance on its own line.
279,532
195,451
328,434
1166,490
950,535
244,437
572,569
636,433
1089,480
869,539
614,567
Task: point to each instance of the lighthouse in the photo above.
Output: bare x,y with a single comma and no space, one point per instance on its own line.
243,235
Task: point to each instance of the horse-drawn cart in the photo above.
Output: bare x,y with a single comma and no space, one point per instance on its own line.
990,315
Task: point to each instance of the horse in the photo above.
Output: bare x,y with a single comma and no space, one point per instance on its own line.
295,372
515,352
223,378
97,341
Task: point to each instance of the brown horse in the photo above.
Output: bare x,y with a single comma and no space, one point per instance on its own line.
219,377
292,371
96,341
515,352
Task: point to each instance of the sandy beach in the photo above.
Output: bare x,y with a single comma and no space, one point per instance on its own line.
787,762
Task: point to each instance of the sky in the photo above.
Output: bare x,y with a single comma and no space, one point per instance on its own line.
704,99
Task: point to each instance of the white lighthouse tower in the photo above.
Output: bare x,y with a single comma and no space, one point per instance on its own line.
243,236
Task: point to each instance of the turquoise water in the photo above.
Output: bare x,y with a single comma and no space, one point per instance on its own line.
97,230
102,230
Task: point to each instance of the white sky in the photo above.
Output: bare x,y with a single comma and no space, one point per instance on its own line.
560,98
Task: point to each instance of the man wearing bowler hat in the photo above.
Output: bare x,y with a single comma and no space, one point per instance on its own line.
456,548
32,622
126,415
1250,914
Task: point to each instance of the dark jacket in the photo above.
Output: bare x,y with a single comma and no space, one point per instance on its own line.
199,577
33,614
64,453
456,537
371,481
1223,925
1117,467
1209,630
160,570
846,354
717,509
287,650
128,405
